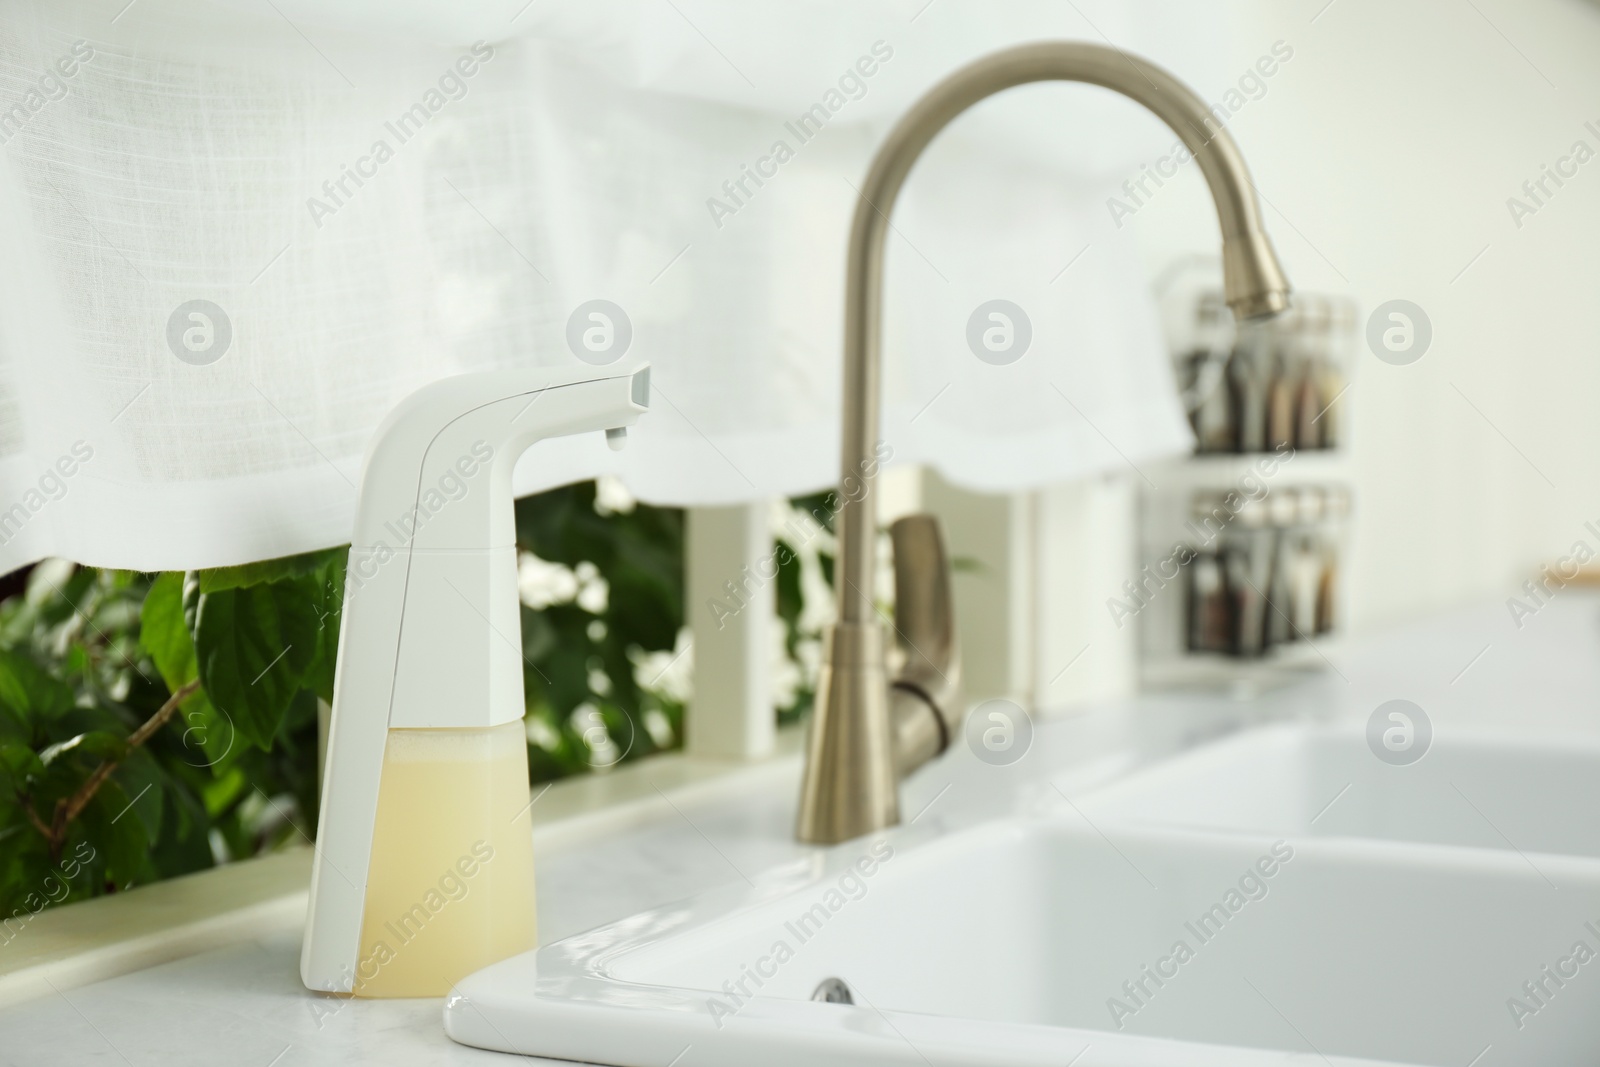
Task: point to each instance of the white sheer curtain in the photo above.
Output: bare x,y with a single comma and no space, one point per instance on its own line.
236,234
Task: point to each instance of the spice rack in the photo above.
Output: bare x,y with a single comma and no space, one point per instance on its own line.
1241,544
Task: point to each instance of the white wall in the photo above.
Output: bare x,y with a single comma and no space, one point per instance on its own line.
1387,148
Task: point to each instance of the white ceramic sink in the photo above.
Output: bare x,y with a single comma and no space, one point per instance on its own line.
1493,791
1015,942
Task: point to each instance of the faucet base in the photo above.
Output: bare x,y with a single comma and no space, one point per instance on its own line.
851,783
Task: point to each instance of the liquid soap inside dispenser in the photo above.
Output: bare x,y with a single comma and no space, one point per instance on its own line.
450,889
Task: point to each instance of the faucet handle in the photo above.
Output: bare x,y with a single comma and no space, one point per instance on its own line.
926,690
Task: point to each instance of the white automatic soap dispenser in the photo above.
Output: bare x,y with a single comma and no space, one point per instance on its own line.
424,856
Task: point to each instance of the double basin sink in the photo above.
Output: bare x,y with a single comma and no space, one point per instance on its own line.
1285,896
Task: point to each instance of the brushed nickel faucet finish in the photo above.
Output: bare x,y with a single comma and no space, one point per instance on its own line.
865,737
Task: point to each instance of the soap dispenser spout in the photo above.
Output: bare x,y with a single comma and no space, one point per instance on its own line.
423,871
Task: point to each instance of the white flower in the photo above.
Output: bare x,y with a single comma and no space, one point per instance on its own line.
658,727
541,733
594,592
611,497
786,674
587,721
541,584
669,673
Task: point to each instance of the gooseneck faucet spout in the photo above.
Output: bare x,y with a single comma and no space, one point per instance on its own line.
854,764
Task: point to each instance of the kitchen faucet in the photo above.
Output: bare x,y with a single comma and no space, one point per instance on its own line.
868,732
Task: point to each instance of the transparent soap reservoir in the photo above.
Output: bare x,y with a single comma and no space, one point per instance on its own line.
450,889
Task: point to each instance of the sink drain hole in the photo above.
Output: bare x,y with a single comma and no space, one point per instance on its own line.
833,991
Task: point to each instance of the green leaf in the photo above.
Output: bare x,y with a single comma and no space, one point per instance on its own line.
163,633
254,644
121,840
209,737
28,693
820,506
328,604
187,818
790,593
96,745
12,727
141,779
224,792
20,762
642,609
539,636
183,847
56,588
221,579
24,866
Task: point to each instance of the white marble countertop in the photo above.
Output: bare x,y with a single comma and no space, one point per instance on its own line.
244,1004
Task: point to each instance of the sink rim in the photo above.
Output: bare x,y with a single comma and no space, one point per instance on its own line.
1294,738
573,983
